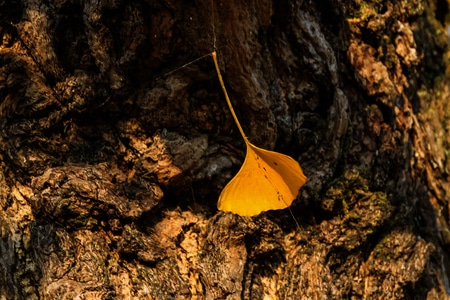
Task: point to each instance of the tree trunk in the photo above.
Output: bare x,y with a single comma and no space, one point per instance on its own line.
113,149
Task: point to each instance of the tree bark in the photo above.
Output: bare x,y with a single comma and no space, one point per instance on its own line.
114,148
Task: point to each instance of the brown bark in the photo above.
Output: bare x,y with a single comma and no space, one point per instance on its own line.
112,157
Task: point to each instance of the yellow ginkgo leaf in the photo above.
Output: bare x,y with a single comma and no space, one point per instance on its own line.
267,180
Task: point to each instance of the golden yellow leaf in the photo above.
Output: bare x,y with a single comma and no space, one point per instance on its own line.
267,180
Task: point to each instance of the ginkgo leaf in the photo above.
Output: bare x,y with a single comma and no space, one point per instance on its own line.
267,180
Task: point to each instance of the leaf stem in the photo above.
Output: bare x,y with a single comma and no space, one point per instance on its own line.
219,75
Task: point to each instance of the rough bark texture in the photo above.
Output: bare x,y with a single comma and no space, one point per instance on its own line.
112,157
